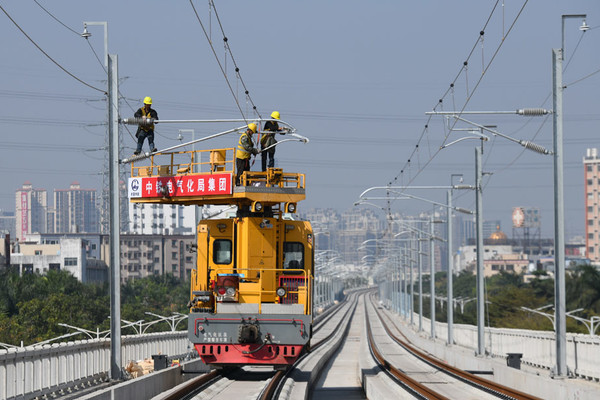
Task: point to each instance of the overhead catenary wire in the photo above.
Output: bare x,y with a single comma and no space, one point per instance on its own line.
545,120
237,69
121,96
582,79
56,19
440,102
91,48
529,143
487,67
47,96
218,60
450,89
47,55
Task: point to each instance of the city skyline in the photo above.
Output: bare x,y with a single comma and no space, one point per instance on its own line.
184,217
73,210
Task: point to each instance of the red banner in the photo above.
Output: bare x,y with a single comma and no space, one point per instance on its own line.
180,186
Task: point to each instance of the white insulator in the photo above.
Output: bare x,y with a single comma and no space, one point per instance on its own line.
138,121
135,158
532,112
535,147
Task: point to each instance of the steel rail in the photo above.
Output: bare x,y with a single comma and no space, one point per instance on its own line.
322,319
191,388
274,386
403,379
502,391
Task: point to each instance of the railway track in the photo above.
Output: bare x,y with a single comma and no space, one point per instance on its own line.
262,382
428,383
411,372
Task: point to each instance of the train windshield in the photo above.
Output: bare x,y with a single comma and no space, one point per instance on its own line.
222,251
293,255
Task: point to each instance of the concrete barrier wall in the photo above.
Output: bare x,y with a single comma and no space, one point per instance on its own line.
538,347
30,370
526,379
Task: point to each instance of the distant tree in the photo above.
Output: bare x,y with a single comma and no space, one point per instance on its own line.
162,295
465,284
583,290
31,306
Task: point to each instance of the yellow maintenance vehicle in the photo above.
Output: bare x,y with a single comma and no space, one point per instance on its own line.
251,290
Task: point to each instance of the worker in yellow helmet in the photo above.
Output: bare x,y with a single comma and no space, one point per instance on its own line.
245,150
145,129
268,139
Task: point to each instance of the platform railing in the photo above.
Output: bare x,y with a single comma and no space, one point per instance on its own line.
273,177
186,162
206,162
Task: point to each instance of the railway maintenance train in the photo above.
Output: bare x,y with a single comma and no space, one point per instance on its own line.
251,291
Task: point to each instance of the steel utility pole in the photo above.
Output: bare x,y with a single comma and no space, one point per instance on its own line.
559,219
411,305
114,231
404,283
559,202
432,277
480,277
420,275
450,309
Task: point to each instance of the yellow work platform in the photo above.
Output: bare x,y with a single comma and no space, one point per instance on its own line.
204,177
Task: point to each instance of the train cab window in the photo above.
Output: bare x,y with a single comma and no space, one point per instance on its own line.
293,255
222,251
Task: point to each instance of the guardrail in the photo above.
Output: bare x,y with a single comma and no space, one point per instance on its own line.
34,371
186,162
538,347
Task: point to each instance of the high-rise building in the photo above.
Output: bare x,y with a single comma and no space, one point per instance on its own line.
7,222
75,210
356,226
161,219
145,255
31,210
466,230
591,164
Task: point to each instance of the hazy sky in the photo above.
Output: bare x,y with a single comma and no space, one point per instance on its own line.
356,77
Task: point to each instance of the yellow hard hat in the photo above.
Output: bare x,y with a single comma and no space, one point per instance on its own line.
252,127
275,115
147,100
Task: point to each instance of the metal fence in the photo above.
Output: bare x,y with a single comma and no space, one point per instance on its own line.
33,371
538,347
